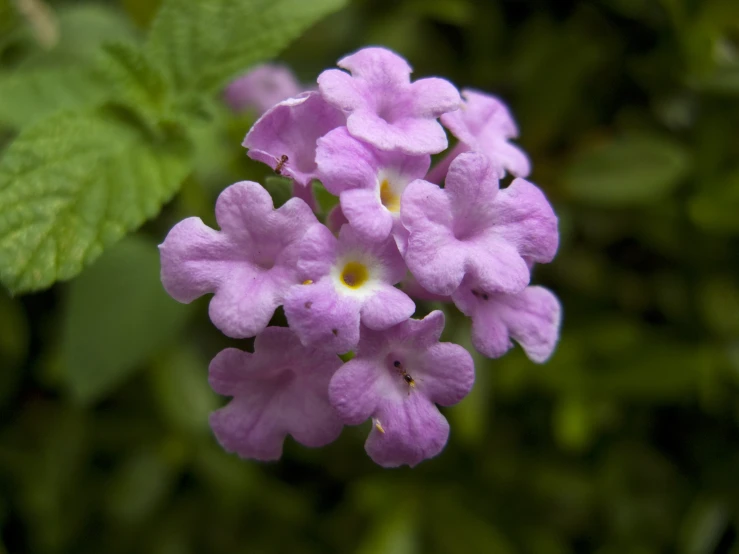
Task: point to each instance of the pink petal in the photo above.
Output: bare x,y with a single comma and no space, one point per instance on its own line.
386,307
366,214
377,66
449,373
434,97
353,393
525,219
413,431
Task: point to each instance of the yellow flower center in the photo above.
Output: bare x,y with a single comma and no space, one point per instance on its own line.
388,198
354,275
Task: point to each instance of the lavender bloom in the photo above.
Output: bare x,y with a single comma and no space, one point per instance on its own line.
484,125
472,228
383,107
410,286
281,389
346,281
531,317
261,88
396,379
368,181
367,134
249,265
287,135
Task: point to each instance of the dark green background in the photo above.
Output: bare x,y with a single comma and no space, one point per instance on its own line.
627,441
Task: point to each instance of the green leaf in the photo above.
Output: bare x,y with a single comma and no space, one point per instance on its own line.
279,188
117,316
137,83
29,95
72,185
636,169
325,200
204,43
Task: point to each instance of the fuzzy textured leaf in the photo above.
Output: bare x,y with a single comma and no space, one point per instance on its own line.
136,82
74,184
206,42
29,95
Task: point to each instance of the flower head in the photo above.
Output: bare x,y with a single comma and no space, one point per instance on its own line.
472,228
286,135
383,107
249,264
281,389
485,125
396,378
531,317
347,281
368,181
261,88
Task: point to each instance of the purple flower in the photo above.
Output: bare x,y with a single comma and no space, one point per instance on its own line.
281,389
249,265
472,228
532,318
346,281
396,378
410,286
368,181
261,88
384,108
286,135
484,125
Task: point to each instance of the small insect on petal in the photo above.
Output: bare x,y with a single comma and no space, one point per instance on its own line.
378,426
280,164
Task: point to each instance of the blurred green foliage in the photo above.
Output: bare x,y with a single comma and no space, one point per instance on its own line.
626,441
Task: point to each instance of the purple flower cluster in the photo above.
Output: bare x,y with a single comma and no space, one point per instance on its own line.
350,286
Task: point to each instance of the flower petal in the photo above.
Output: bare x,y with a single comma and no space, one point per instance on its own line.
292,128
280,389
497,266
434,97
378,66
317,252
526,220
261,88
248,427
352,391
449,373
195,260
322,317
247,299
366,214
386,307
345,163
472,184
407,135
412,431
340,90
